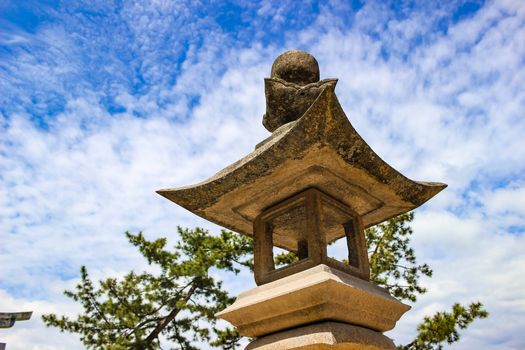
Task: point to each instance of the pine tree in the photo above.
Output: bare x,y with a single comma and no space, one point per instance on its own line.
140,311
393,266
176,304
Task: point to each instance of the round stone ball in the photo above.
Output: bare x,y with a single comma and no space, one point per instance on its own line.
296,66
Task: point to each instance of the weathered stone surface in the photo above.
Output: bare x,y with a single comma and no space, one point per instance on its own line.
321,150
324,336
286,102
296,66
293,87
8,319
318,294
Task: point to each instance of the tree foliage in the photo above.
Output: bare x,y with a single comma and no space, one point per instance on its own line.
393,266
178,303
443,327
393,261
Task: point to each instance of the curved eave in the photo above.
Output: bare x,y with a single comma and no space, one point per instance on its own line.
320,149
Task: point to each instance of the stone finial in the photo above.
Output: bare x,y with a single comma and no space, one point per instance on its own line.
292,88
296,66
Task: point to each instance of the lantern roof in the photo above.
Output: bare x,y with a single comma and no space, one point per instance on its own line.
319,150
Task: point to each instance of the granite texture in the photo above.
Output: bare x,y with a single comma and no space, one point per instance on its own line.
296,66
324,336
317,294
322,150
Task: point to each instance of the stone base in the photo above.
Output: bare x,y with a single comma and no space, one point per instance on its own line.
318,294
324,336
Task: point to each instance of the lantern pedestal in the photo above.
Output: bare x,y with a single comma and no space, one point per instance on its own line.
324,336
331,308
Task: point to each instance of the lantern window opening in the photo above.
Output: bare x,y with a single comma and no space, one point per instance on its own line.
305,224
338,249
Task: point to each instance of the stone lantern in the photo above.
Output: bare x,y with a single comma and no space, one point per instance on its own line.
313,181
8,319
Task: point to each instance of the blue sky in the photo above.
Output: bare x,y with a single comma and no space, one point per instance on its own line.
102,103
